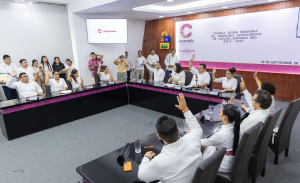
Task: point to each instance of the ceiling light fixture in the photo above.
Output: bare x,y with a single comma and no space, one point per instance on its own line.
225,7
161,16
169,0
271,0
189,12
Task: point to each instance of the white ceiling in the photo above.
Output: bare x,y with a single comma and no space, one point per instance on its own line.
124,8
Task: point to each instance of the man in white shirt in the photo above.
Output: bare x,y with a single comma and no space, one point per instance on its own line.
159,74
25,87
261,101
129,68
6,68
170,61
152,58
268,86
28,70
179,157
201,75
138,65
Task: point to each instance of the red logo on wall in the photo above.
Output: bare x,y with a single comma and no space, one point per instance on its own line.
182,30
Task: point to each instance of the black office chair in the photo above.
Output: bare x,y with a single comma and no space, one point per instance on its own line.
258,159
208,169
48,89
238,78
239,170
166,75
188,78
97,78
283,136
210,83
69,85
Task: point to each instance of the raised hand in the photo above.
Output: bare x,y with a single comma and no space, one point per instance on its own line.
214,70
70,69
48,73
193,57
255,74
181,102
13,73
99,62
243,85
231,100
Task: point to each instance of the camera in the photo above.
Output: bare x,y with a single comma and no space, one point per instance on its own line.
96,68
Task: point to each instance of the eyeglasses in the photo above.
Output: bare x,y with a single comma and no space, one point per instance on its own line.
56,74
25,76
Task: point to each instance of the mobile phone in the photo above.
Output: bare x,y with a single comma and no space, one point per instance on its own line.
127,167
40,67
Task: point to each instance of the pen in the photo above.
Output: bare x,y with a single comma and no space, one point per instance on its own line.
146,147
238,103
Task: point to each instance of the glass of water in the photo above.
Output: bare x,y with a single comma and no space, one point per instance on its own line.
185,126
137,146
211,111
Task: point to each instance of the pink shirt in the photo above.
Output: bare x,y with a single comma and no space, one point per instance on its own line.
93,63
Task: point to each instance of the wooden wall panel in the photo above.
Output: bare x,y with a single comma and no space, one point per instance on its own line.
288,87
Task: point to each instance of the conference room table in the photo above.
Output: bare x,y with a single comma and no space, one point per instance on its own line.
105,169
19,117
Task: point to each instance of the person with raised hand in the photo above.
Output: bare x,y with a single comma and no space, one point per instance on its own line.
56,83
24,86
229,83
106,74
200,74
180,156
159,74
75,79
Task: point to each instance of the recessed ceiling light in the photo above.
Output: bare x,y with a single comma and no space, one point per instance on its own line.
169,0
161,16
189,12
271,0
30,2
225,7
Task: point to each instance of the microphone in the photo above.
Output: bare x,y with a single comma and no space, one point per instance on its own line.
196,75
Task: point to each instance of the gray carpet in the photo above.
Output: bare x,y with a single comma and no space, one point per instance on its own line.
52,155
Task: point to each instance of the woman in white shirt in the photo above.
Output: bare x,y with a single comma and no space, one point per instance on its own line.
69,64
45,66
229,83
39,74
178,75
75,79
105,75
227,136
56,83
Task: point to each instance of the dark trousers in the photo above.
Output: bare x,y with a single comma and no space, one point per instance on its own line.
128,76
169,74
10,93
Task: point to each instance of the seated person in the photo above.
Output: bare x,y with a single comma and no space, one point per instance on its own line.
74,78
200,73
178,75
105,75
270,87
229,83
227,136
261,101
56,83
25,87
28,70
159,74
180,156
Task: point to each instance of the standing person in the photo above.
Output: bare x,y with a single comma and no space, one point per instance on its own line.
56,83
129,68
227,136
25,87
69,64
93,64
152,58
38,70
28,70
122,71
229,83
58,66
200,73
178,75
6,68
138,66
75,79
45,65
159,74
180,156
170,61
105,75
